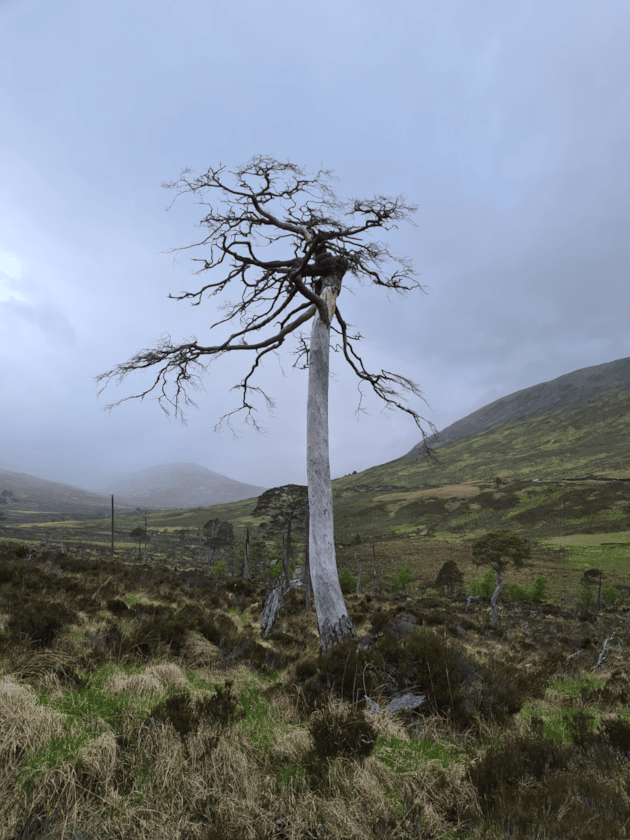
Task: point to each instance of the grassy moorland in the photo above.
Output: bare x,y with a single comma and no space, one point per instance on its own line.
140,700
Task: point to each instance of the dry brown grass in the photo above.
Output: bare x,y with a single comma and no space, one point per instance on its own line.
449,491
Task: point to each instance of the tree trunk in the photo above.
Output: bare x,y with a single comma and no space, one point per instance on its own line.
246,560
289,524
333,621
274,602
307,566
358,562
493,601
210,556
285,560
373,569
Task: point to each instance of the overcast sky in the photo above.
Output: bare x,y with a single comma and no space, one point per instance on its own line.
507,124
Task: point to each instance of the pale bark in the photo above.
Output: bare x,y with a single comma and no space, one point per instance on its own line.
307,565
333,621
493,600
274,602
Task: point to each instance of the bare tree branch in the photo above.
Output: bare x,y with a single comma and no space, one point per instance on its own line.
324,248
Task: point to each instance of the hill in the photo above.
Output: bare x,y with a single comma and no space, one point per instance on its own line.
567,391
175,486
26,498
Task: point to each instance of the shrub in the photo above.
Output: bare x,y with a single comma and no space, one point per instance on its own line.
580,725
399,582
610,595
345,670
379,621
528,787
616,732
586,597
505,687
117,606
516,758
484,587
538,591
436,666
339,733
40,620
431,593
347,581
336,734
534,595
185,713
518,594
278,569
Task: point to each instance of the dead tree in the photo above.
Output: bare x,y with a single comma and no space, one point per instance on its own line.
287,293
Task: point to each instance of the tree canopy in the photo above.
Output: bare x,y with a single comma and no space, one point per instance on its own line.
498,549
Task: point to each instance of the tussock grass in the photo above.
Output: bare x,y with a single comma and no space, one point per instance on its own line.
116,722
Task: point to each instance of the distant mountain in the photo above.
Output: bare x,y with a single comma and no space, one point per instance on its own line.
566,391
171,486
25,497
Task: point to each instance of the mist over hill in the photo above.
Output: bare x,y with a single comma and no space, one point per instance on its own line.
25,497
22,495
567,391
171,486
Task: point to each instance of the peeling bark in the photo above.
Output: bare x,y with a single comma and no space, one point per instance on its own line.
333,621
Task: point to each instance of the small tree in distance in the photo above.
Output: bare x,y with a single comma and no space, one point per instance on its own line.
217,535
285,506
449,577
498,549
593,577
138,534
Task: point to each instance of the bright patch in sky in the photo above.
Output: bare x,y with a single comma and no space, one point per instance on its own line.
11,269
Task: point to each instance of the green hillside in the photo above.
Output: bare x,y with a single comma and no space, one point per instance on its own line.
411,512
